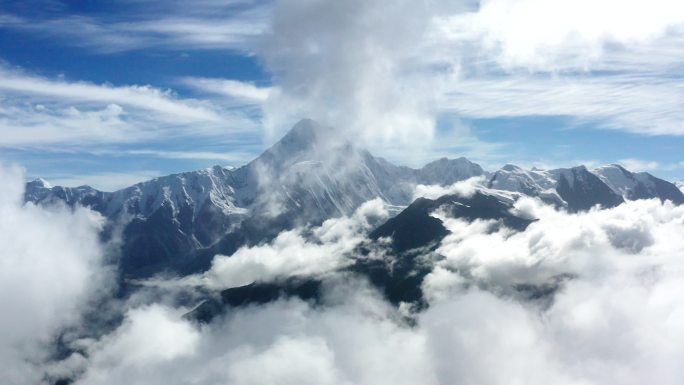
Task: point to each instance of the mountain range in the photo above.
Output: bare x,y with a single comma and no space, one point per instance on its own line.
179,222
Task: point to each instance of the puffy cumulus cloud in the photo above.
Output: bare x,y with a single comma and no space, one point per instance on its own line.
613,320
358,339
596,243
465,188
50,267
149,336
616,319
295,253
541,34
478,338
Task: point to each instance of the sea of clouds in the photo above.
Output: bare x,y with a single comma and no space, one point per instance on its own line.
616,316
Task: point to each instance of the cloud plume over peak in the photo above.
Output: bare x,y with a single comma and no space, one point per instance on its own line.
353,64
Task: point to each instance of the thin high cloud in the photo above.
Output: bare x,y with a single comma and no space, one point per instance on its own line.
175,27
40,111
144,97
615,102
242,92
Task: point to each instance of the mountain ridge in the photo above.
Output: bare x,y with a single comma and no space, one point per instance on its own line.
308,176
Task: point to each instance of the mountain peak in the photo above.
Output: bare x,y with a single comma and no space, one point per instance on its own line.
305,133
305,139
39,183
509,167
613,166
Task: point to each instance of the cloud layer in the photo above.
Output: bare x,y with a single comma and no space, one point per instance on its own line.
39,111
51,262
296,253
613,315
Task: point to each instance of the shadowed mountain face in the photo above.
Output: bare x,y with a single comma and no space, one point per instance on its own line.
639,185
411,235
582,190
417,227
416,232
179,222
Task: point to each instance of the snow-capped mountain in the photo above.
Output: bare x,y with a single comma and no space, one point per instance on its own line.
680,185
306,177
573,188
536,183
638,185
180,221
578,188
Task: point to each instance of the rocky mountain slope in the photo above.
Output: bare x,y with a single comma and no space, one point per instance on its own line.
180,221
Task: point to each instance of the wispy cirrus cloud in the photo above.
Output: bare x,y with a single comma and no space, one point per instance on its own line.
241,92
233,157
40,111
637,103
175,26
143,97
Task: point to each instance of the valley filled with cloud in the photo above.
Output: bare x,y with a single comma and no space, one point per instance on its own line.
358,192
608,310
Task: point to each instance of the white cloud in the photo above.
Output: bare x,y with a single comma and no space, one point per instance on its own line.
42,112
50,262
636,103
287,342
475,59
354,65
234,89
639,165
541,34
149,335
205,25
143,97
617,321
294,254
290,361
631,236
233,156
464,188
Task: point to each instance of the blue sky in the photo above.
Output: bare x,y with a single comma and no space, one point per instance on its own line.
113,92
